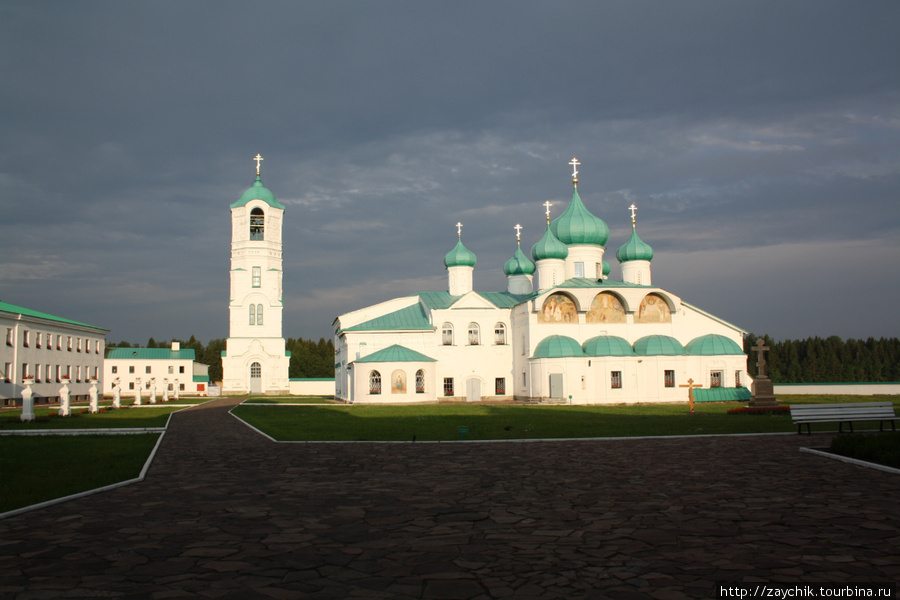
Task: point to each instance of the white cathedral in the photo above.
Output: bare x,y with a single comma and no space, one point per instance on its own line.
579,338
255,360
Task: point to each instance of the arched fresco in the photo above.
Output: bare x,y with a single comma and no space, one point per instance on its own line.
653,309
398,382
558,308
606,308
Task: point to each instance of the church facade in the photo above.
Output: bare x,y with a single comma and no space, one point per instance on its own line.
579,337
255,360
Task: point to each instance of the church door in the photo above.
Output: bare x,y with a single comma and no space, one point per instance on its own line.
473,390
255,378
556,385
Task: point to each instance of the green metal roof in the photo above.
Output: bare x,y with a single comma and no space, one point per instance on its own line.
519,264
460,256
634,249
201,378
577,226
712,345
505,299
658,345
549,246
437,300
150,354
740,394
258,192
411,318
557,346
607,345
27,312
395,353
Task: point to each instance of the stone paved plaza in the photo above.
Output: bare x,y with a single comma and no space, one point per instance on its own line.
225,513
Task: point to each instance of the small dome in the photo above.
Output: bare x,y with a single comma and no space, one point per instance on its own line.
519,264
577,226
634,249
712,345
460,256
606,268
557,346
658,345
549,246
258,192
607,345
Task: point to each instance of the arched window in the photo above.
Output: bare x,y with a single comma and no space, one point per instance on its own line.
257,224
474,334
447,334
500,334
255,370
374,382
259,314
252,315
420,381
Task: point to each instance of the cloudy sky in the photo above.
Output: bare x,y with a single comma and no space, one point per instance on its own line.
760,141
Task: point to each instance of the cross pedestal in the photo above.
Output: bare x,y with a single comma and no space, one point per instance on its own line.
762,391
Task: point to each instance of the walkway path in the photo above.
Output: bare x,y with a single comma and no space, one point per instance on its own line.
225,513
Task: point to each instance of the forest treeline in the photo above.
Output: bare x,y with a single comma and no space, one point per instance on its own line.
828,360
308,358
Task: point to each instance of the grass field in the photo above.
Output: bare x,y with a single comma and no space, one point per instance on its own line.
126,417
291,400
35,469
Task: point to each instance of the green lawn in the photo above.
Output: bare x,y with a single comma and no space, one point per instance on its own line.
126,417
35,469
291,400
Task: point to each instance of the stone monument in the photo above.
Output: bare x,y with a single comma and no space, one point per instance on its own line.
153,390
64,410
117,394
138,389
95,404
762,390
27,401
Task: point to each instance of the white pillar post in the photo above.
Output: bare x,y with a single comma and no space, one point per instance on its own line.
138,391
64,410
117,393
27,402
95,405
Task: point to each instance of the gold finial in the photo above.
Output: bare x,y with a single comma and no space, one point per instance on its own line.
574,162
258,160
518,229
547,205
632,208
459,230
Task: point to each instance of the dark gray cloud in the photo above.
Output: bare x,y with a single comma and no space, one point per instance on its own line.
760,141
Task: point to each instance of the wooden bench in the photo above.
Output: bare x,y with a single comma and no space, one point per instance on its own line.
806,414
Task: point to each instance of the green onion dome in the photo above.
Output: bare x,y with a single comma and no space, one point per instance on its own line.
258,192
634,249
460,256
519,264
712,345
606,268
549,246
577,226
557,346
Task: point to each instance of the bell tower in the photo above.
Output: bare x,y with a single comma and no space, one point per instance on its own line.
255,360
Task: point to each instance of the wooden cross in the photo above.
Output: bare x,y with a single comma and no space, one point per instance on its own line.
518,229
258,160
459,230
691,385
760,348
547,205
574,162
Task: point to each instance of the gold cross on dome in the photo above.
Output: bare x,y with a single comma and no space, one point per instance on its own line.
574,162
518,229
632,208
258,160
459,230
547,205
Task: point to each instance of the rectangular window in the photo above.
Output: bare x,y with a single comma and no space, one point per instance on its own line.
78,373
615,379
58,372
131,369
524,380
599,271
9,336
171,369
447,335
579,269
181,386
257,277
737,379
670,378
37,373
181,369
147,369
47,373
115,369
69,371
96,372
24,371
26,338
69,343
130,385
37,339
715,379
59,342
79,345
500,386
448,386
87,345
500,334
7,372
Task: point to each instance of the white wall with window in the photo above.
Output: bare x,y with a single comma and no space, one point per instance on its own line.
159,367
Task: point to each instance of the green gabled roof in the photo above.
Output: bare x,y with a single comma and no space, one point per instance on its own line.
590,282
411,318
150,354
712,345
12,308
658,345
607,345
557,346
258,192
438,300
740,394
505,299
395,353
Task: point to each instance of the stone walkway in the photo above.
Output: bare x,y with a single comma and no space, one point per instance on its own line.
225,513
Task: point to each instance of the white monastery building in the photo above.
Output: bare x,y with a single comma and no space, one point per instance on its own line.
254,360
563,331
47,350
155,369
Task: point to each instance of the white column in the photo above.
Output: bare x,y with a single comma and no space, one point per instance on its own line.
93,394
64,410
117,393
138,391
153,390
27,402
165,390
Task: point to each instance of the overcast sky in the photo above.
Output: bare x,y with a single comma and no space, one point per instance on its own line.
759,140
